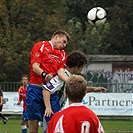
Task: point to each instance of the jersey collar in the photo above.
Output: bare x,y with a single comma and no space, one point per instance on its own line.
76,104
51,44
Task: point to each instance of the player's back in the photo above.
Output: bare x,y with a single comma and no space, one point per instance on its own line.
76,119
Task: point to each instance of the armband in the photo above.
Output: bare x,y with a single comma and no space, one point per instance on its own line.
43,74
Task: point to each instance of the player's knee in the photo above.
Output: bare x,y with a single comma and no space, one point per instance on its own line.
33,126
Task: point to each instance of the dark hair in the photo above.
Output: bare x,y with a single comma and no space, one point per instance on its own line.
76,59
60,33
24,75
76,88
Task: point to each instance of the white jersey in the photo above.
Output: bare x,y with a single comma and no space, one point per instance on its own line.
56,85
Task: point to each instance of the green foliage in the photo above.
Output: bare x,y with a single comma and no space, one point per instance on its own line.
95,39
120,31
25,22
74,27
115,38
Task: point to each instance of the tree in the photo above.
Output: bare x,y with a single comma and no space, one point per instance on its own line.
23,23
120,27
95,39
116,37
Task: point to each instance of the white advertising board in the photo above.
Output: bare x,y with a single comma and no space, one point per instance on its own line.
110,104
10,103
107,104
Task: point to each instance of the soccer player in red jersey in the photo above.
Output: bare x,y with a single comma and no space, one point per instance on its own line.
22,97
46,60
77,118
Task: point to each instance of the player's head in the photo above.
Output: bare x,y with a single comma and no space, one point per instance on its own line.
75,88
25,79
76,60
60,38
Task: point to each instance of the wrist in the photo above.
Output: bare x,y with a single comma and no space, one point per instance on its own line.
43,74
48,107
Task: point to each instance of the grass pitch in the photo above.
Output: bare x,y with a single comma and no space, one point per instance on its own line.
117,126
13,126
110,126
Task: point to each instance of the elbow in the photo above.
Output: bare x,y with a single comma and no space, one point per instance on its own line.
35,67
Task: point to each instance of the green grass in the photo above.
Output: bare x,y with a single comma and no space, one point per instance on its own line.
110,126
117,126
13,126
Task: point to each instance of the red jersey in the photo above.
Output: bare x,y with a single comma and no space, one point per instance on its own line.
22,95
75,119
50,59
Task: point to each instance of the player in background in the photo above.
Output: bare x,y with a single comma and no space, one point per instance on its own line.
46,60
5,119
22,97
75,62
76,118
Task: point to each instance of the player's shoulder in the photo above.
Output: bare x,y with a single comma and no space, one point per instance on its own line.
66,113
82,111
41,43
20,88
82,108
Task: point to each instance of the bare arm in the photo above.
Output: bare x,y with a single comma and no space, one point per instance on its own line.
38,70
95,89
62,74
46,96
20,97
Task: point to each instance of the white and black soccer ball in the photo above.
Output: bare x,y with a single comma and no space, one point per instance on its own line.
97,16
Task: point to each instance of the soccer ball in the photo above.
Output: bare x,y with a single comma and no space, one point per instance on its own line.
97,16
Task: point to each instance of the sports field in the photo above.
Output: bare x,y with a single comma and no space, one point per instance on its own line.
110,126
13,126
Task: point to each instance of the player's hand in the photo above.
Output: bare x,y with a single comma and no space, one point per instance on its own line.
97,89
18,103
48,112
48,77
